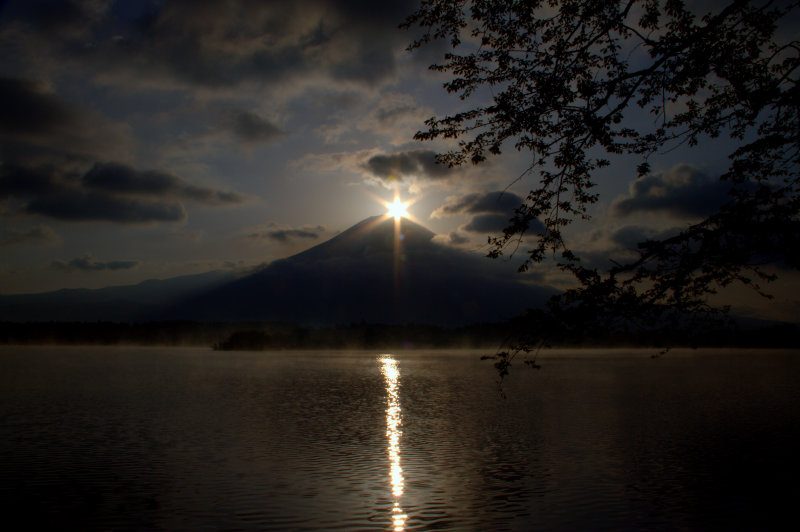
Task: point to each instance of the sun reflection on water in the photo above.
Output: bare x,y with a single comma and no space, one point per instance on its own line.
391,375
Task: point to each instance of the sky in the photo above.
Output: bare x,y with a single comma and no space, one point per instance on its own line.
151,139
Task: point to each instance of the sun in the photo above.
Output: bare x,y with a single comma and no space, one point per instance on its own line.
397,209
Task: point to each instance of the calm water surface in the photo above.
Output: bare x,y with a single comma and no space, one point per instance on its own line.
190,439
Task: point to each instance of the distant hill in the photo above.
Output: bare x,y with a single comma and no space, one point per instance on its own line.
139,302
365,274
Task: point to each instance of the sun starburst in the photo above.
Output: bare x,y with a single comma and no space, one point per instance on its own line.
397,209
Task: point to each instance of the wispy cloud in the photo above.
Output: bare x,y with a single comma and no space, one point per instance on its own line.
39,234
87,263
249,127
283,234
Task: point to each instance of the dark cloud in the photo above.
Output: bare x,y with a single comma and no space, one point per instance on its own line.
607,248
486,223
26,181
60,18
36,124
106,192
681,192
249,127
51,153
390,116
28,110
286,234
217,43
40,234
88,263
492,211
497,202
629,236
51,164
124,179
455,238
495,223
79,205
414,163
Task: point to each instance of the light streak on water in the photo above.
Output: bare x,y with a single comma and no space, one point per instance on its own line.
391,375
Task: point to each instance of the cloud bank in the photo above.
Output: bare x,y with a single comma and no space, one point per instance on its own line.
490,212
112,192
37,125
497,202
214,44
684,191
415,164
54,163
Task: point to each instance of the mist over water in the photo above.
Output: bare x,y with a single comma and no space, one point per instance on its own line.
158,438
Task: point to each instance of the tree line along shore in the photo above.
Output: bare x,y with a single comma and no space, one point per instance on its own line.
269,335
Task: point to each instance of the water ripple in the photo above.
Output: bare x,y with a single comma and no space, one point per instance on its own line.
184,439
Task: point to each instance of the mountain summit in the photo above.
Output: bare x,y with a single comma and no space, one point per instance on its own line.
372,235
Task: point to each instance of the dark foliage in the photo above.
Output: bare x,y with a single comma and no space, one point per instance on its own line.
252,335
571,82
277,336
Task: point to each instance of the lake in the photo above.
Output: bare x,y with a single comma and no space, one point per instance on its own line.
123,438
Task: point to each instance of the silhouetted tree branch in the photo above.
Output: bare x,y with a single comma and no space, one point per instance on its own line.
567,77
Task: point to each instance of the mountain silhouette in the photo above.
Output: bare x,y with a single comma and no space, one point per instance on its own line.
374,274
368,273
